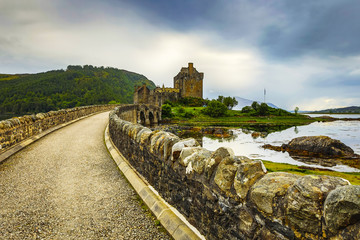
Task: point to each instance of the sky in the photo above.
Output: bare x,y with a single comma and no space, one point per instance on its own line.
305,53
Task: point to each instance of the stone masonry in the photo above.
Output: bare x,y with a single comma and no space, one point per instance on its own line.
233,197
187,83
17,129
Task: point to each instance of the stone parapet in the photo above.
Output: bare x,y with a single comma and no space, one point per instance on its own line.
18,129
232,197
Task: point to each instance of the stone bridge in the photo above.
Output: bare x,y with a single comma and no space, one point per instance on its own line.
141,113
66,186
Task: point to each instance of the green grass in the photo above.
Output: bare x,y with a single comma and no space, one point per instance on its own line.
353,178
235,118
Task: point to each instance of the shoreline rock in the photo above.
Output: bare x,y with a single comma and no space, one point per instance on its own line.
319,149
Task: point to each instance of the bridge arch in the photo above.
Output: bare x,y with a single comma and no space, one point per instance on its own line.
140,113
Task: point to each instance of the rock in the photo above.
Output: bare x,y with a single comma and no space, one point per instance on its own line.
177,147
342,208
349,233
161,143
168,144
245,221
304,202
145,138
185,153
265,233
136,129
197,160
154,142
265,192
215,159
138,136
247,174
255,134
225,173
321,146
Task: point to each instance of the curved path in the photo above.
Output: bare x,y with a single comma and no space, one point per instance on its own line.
66,186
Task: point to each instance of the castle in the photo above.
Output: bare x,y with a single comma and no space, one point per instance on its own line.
187,83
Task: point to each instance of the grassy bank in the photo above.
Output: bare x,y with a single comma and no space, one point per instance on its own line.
193,116
353,178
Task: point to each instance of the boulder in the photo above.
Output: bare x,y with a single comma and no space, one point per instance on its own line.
225,173
321,146
155,140
177,147
197,161
168,144
186,152
215,159
342,208
248,172
266,192
304,202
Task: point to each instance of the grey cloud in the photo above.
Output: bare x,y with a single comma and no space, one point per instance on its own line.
324,28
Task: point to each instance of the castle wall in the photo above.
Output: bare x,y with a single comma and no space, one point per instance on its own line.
190,82
187,83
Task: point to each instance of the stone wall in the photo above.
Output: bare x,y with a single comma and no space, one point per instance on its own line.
17,129
230,197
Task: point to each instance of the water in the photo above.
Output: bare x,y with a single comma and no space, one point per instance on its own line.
244,144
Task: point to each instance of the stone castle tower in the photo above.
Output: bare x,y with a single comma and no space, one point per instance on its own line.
187,83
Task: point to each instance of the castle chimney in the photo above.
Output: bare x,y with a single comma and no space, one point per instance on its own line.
191,68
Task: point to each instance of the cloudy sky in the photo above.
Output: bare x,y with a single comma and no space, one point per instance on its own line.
305,53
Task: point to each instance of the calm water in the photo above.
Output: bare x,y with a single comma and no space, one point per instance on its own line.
244,144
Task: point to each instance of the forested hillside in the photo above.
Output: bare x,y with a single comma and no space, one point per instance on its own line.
77,86
347,110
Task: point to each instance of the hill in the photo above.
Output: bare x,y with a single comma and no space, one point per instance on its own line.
243,102
75,86
348,110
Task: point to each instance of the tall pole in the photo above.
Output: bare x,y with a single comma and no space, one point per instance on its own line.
264,95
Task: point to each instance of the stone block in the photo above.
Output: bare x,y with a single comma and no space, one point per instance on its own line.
184,233
264,193
225,173
177,147
153,141
138,136
215,159
168,144
342,208
196,161
185,153
248,172
158,208
304,202
170,221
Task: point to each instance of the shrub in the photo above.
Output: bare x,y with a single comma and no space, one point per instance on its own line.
215,109
166,111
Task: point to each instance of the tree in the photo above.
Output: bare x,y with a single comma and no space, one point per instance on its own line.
215,109
255,105
229,102
263,109
246,109
166,111
296,110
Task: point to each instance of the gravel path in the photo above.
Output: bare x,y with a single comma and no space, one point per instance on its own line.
66,186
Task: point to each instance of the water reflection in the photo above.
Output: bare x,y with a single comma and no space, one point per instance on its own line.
245,143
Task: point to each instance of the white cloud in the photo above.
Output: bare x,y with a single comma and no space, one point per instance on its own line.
39,38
